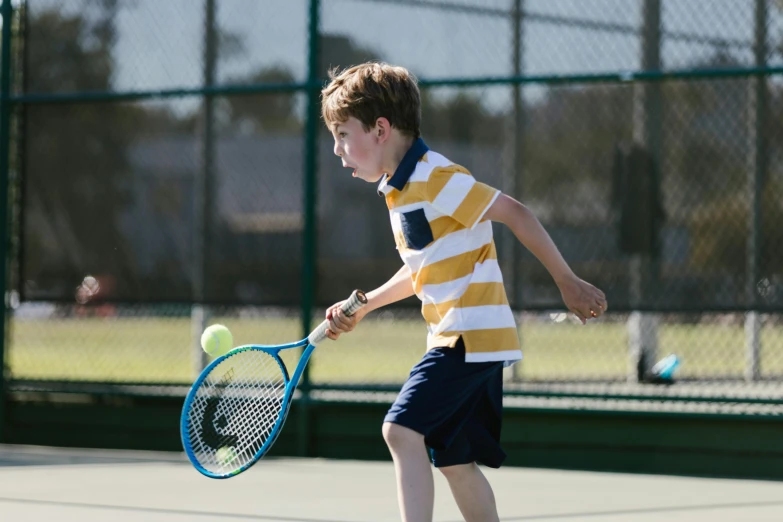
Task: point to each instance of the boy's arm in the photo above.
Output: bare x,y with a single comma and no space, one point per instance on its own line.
582,298
397,288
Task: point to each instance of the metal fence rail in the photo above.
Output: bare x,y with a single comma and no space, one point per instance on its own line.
163,179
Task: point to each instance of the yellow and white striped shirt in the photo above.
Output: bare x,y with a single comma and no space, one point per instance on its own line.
437,210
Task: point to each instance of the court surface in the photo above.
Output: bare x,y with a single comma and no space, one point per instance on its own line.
45,484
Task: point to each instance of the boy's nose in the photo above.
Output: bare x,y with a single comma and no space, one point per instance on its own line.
337,150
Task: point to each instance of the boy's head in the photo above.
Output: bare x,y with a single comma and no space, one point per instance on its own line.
370,109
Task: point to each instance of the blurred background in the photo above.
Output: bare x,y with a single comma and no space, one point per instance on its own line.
166,168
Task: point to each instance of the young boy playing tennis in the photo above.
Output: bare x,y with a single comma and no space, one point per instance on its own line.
441,220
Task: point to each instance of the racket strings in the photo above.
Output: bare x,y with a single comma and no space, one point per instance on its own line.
235,410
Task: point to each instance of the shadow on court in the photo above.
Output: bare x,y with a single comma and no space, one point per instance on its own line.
93,485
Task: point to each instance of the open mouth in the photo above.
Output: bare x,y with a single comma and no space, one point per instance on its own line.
354,169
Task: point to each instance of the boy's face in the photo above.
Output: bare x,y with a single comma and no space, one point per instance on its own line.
359,149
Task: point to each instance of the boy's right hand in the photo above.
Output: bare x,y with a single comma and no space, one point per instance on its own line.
582,298
339,323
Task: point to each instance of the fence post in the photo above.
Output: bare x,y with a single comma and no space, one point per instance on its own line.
757,166
643,326
309,245
204,198
5,145
512,180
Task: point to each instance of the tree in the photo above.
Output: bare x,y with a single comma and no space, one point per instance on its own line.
275,113
340,52
76,164
264,113
570,139
461,118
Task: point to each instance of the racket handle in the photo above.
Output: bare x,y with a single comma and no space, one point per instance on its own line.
350,307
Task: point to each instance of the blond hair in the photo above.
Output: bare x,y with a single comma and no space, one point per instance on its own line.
370,91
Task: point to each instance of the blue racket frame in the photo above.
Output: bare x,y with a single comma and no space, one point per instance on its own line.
290,387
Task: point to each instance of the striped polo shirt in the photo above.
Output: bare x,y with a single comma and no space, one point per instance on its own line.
437,209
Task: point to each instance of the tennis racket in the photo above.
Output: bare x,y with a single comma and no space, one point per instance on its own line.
235,410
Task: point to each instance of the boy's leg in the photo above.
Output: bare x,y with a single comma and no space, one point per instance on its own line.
472,492
430,411
415,488
477,441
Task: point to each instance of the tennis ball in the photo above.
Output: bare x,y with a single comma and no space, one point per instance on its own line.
225,455
217,340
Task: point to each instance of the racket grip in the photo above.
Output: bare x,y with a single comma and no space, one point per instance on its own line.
349,307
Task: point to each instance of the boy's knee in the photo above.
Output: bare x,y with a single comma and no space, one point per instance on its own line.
397,436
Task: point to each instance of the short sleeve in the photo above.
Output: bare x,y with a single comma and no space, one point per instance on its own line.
453,191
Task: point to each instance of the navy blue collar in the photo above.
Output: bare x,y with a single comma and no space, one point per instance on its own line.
408,164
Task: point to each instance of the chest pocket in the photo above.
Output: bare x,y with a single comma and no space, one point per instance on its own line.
416,229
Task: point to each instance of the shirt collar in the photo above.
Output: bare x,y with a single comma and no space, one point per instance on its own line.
405,168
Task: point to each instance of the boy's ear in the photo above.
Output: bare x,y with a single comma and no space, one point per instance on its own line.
382,129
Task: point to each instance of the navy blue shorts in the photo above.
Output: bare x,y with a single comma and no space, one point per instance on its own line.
457,406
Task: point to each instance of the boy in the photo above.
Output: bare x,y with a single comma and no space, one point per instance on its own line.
441,220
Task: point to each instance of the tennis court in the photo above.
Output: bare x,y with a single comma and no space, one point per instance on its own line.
41,483
156,181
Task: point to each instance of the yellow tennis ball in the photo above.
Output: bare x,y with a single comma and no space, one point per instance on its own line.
225,455
217,340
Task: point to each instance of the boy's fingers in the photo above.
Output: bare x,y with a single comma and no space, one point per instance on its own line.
340,322
579,315
590,304
349,320
334,326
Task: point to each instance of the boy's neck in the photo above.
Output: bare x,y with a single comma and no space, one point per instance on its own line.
398,145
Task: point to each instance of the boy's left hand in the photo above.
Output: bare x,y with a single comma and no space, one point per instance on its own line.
582,298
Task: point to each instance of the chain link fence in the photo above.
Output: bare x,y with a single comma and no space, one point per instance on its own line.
160,181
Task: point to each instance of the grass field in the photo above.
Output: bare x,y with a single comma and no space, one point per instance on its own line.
160,350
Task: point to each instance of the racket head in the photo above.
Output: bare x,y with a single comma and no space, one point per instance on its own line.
235,410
